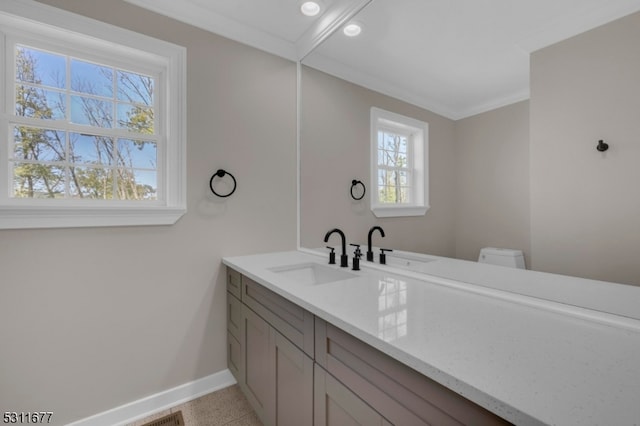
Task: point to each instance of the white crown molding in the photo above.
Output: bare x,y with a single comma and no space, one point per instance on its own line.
144,407
340,70
339,14
563,28
205,19
519,95
345,72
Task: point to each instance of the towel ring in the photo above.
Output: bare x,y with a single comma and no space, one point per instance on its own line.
355,183
220,173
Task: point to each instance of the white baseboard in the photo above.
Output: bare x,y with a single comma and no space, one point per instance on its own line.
144,407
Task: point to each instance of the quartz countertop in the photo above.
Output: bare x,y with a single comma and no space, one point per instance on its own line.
528,359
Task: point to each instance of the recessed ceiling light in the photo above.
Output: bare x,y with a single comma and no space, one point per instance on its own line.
310,8
352,29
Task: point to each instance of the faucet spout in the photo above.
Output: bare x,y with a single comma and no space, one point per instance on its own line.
344,259
369,251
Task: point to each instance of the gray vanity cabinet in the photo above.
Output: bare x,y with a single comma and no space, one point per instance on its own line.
275,374
400,394
296,369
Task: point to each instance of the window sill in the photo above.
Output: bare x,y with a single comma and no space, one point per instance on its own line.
30,217
397,211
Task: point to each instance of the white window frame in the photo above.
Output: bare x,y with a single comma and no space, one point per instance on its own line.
418,161
48,28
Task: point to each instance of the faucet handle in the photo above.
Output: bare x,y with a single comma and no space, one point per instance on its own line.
383,256
332,256
356,257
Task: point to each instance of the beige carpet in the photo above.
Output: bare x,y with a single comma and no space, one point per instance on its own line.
226,407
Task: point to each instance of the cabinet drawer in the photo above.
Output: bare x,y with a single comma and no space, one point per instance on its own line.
397,392
234,280
292,321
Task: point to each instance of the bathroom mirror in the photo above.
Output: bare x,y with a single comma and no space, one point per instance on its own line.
526,175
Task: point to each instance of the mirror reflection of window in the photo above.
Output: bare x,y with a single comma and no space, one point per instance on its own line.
392,309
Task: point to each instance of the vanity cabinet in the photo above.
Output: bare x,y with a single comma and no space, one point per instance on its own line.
274,373
296,369
400,394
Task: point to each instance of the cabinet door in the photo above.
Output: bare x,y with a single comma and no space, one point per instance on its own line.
259,374
235,357
336,405
294,383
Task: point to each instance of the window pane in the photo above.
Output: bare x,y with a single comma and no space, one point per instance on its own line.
91,183
393,186
135,88
35,144
137,154
91,111
137,184
392,142
135,118
38,67
382,177
402,178
91,78
38,181
92,149
39,103
392,159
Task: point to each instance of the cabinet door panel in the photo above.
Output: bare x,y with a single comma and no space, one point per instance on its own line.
294,384
259,375
336,405
234,315
235,357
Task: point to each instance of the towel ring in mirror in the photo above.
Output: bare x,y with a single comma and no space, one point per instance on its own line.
355,184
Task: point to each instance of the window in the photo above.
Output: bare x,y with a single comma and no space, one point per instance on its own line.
89,135
399,153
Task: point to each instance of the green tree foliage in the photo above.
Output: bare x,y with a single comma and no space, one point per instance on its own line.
42,172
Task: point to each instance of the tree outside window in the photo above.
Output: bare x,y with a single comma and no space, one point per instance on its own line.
85,133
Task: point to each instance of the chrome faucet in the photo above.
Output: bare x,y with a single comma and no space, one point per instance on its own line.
344,259
369,252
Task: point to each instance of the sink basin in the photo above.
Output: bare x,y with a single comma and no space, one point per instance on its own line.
411,263
312,273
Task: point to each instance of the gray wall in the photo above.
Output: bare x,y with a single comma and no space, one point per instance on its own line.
492,181
335,150
94,318
585,205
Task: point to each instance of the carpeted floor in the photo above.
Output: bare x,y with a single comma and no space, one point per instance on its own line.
226,407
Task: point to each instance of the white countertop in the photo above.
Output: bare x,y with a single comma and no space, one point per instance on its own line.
529,360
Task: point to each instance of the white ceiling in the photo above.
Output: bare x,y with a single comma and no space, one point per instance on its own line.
454,57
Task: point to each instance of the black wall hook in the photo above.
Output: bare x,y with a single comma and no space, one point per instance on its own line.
221,173
602,146
355,183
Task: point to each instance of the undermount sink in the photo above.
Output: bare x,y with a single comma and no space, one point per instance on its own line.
408,262
311,273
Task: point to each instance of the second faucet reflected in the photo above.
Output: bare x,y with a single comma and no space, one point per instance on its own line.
369,251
